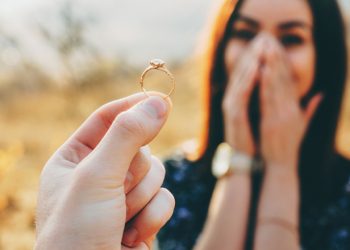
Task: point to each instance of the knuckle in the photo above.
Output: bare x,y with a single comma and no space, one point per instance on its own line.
156,218
129,124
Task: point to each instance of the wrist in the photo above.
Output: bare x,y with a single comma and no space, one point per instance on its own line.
228,161
282,175
238,180
280,195
281,181
289,167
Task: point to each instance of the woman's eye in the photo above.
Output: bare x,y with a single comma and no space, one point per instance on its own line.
291,40
245,35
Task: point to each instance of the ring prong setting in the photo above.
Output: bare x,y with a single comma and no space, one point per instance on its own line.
157,63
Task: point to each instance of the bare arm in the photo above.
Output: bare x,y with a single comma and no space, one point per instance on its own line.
228,214
283,126
226,224
278,212
227,221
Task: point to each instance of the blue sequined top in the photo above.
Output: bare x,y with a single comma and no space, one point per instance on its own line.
327,229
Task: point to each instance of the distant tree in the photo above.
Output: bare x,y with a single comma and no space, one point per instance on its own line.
8,43
69,40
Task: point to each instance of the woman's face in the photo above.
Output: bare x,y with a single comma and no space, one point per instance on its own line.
290,22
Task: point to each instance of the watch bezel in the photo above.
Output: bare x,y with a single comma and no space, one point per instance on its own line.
224,159
221,164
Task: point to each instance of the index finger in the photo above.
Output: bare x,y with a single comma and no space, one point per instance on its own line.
90,133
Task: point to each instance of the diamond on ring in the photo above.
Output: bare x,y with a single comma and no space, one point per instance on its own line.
157,63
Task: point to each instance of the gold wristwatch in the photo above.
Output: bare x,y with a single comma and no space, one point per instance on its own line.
228,161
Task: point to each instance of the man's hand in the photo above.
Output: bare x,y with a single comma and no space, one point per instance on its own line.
101,189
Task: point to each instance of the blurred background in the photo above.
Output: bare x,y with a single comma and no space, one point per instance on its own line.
61,59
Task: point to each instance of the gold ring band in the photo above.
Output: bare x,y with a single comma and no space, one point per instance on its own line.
157,64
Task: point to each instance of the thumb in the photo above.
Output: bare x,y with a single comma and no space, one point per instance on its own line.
129,131
312,107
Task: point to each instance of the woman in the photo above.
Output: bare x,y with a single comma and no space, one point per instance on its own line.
275,79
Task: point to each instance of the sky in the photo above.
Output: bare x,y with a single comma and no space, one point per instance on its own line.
136,30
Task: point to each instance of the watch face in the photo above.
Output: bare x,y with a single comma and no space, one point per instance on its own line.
221,160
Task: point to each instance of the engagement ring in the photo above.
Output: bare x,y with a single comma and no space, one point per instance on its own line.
157,64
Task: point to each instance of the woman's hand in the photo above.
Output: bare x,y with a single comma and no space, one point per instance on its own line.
229,208
101,189
237,96
284,123
283,127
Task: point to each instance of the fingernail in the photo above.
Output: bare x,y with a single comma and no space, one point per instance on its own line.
155,106
130,236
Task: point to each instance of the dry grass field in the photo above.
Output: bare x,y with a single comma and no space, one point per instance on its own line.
35,121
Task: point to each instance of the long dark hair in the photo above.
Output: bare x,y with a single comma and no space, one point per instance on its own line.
318,176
